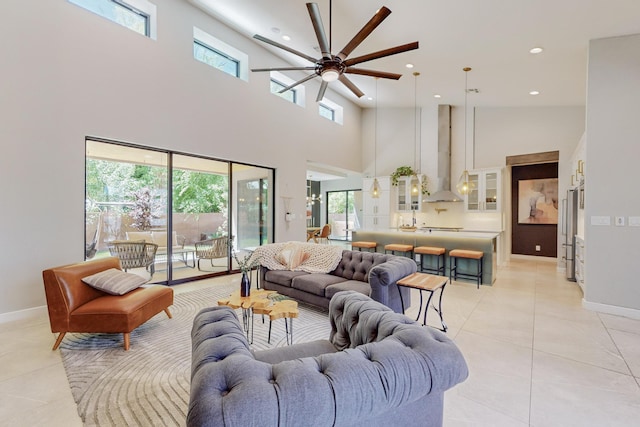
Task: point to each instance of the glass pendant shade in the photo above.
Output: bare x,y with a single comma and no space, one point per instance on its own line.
414,188
375,189
465,185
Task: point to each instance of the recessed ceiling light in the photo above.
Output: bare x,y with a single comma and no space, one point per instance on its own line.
286,37
535,50
370,98
409,65
437,96
534,92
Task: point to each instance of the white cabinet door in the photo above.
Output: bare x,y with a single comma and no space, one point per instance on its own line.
376,211
487,194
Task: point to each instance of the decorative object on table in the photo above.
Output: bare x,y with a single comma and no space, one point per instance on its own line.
465,185
332,67
246,264
408,171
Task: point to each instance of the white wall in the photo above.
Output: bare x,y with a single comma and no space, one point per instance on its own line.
503,132
69,73
612,253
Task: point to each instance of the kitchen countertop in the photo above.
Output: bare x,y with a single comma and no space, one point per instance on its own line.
470,234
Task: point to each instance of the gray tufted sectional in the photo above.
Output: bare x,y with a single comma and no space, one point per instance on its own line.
378,368
372,274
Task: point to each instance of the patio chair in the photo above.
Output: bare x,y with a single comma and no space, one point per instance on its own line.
135,255
212,249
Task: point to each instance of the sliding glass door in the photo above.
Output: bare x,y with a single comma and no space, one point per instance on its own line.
217,207
342,212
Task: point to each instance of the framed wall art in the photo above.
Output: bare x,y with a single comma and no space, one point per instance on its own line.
538,201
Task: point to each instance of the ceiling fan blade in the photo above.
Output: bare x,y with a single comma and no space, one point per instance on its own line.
283,47
323,88
316,20
373,73
291,86
284,69
377,19
349,84
381,54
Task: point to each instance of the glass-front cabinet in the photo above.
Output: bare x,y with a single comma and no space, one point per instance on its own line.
409,194
487,193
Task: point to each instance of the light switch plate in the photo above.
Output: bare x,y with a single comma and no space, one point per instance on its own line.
600,220
634,221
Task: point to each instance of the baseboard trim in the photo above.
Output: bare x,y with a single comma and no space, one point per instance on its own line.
534,258
611,309
28,313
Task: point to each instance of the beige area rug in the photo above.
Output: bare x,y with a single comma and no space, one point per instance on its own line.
149,384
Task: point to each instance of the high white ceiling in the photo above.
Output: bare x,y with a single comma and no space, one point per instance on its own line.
491,36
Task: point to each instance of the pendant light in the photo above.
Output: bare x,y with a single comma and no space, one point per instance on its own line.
415,188
375,188
465,186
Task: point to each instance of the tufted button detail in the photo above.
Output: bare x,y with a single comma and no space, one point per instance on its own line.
224,393
272,381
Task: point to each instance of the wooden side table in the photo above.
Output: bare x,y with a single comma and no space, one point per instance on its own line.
257,299
286,309
429,283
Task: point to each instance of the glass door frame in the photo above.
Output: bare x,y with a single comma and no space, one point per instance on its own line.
168,209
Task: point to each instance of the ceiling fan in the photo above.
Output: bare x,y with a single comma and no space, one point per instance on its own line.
334,67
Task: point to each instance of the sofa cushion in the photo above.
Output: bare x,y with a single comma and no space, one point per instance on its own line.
140,236
114,281
348,285
282,277
355,265
298,351
315,283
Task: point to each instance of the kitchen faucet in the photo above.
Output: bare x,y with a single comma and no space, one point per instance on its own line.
414,217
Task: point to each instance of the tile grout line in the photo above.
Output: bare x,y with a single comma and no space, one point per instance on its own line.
619,352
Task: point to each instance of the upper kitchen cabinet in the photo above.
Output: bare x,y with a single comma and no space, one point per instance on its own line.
409,194
487,194
377,212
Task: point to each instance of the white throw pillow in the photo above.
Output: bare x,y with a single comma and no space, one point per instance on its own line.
114,281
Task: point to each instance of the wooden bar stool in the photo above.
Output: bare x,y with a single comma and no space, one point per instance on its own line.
454,254
431,251
364,245
399,247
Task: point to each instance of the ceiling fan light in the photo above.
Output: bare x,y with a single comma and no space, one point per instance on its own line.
330,75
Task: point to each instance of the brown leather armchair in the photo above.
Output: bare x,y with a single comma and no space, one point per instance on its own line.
77,307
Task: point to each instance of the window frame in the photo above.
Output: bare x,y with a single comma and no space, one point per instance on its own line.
219,53
141,8
336,109
209,41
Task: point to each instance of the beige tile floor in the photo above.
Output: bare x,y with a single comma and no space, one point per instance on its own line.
535,356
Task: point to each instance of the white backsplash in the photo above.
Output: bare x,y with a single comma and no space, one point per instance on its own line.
452,214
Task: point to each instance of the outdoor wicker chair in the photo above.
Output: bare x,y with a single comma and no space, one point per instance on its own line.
212,249
135,255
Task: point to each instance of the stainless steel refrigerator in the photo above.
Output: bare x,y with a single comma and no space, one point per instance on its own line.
569,230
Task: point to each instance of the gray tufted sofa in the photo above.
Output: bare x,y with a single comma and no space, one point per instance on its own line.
378,368
372,274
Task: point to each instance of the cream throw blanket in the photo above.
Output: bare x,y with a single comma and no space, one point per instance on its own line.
321,258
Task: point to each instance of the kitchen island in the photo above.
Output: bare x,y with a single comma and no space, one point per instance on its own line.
448,239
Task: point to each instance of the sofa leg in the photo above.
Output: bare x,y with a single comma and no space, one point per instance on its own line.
58,340
127,339
166,310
